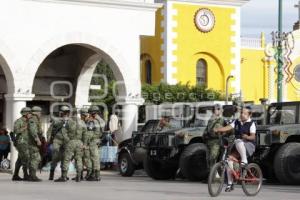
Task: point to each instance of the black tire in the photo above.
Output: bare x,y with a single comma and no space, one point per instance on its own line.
193,162
252,171
216,179
287,164
159,170
126,166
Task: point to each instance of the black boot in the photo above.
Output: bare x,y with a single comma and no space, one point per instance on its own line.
51,176
97,175
16,176
33,177
61,179
88,174
26,175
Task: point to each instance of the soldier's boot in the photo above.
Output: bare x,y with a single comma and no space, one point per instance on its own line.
91,176
97,175
16,176
51,175
63,177
26,175
33,177
78,177
81,177
88,174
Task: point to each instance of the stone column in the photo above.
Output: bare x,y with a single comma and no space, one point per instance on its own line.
129,116
14,104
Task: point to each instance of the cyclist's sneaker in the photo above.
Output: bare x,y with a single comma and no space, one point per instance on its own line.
229,188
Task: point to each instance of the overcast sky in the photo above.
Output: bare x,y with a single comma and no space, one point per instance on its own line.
262,16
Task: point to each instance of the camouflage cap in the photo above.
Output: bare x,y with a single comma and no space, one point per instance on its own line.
36,109
93,109
25,110
65,109
84,111
217,107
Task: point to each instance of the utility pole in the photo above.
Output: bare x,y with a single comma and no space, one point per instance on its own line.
279,54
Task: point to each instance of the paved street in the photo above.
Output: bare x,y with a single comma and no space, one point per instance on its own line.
114,187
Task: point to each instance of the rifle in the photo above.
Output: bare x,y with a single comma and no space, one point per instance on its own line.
55,129
13,138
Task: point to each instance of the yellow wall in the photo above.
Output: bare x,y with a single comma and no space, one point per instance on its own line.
151,47
293,86
214,47
254,75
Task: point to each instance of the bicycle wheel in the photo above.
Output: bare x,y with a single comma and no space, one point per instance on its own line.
216,179
252,178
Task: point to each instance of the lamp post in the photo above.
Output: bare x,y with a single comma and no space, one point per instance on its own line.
227,86
279,54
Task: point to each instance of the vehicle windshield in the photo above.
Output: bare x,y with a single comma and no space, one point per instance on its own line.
282,114
202,116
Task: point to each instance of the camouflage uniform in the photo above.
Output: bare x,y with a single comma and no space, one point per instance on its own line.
213,141
74,148
34,151
60,129
21,133
91,152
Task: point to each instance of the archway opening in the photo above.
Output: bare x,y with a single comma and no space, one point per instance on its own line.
67,76
3,91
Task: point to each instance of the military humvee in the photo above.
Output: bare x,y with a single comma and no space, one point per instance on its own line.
277,151
278,143
182,148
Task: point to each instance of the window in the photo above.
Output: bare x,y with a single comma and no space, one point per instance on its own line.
283,114
201,73
148,70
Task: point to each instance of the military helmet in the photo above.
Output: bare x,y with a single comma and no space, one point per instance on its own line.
36,109
84,111
93,109
25,110
65,109
217,107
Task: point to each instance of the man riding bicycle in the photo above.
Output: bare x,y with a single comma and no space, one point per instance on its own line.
244,144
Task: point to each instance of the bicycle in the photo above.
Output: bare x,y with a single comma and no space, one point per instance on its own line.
251,175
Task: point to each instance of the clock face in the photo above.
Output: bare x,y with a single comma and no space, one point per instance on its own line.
205,20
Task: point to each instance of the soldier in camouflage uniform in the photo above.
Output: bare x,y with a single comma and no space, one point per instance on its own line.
34,144
92,140
58,132
74,148
36,116
21,143
212,139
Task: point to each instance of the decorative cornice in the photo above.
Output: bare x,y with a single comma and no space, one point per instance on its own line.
108,3
216,2
19,97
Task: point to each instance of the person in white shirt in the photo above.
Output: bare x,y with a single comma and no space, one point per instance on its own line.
245,136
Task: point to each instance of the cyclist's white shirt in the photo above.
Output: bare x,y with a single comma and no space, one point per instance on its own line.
252,127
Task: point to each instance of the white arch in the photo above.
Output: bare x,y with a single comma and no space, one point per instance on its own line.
6,61
110,53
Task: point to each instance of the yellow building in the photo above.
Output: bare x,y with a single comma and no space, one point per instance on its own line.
199,41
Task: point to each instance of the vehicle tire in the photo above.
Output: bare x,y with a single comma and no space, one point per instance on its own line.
159,170
216,179
126,166
193,162
252,179
287,162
